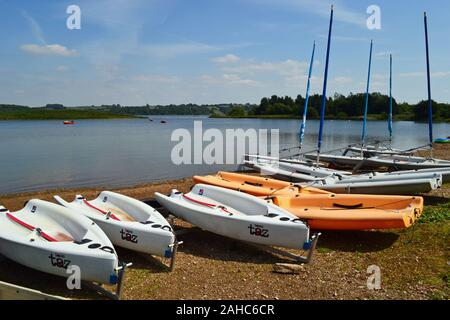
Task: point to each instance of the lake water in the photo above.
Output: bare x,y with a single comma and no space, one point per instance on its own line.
39,155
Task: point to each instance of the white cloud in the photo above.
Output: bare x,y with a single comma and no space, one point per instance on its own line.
438,74
379,77
50,49
342,80
382,54
227,79
156,78
35,27
229,58
62,68
346,39
236,79
287,68
170,50
412,74
320,8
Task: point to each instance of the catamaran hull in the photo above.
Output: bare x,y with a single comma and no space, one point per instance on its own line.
395,162
382,184
402,187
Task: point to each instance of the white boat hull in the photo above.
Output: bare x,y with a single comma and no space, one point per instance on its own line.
399,187
90,250
149,232
395,162
248,222
389,184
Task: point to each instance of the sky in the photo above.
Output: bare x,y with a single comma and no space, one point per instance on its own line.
137,52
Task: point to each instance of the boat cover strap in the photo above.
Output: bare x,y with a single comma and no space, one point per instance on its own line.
210,205
100,210
199,202
31,228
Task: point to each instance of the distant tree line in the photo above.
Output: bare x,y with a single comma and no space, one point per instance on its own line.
343,107
338,107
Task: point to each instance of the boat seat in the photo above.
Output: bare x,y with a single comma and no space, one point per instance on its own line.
44,228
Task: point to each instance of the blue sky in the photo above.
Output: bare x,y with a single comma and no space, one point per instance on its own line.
135,52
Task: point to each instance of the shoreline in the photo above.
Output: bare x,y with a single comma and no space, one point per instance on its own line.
125,117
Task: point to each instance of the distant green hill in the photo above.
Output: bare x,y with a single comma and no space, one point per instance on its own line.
338,107
13,112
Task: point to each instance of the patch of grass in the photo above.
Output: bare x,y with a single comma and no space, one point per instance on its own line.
324,250
438,213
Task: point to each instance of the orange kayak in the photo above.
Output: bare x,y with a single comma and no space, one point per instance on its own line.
255,185
324,210
350,212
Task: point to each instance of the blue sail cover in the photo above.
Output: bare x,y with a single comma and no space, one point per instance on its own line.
305,108
430,104
325,79
366,102
390,98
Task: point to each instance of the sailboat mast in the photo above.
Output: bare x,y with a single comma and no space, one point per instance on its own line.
324,93
366,102
390,101
430,104
305,108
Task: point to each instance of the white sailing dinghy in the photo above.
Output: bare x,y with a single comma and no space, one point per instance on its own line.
295,165
374,183
393,161
396,162
445,172
238,216
128,222
297,168
50,238
374,186
369,150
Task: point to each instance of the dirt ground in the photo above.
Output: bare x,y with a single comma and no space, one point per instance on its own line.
414,263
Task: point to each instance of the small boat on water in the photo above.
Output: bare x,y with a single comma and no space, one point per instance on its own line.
163,121
128,222
69,122
50,238
238,216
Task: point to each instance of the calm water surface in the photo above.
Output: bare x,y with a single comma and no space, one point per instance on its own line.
40,155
